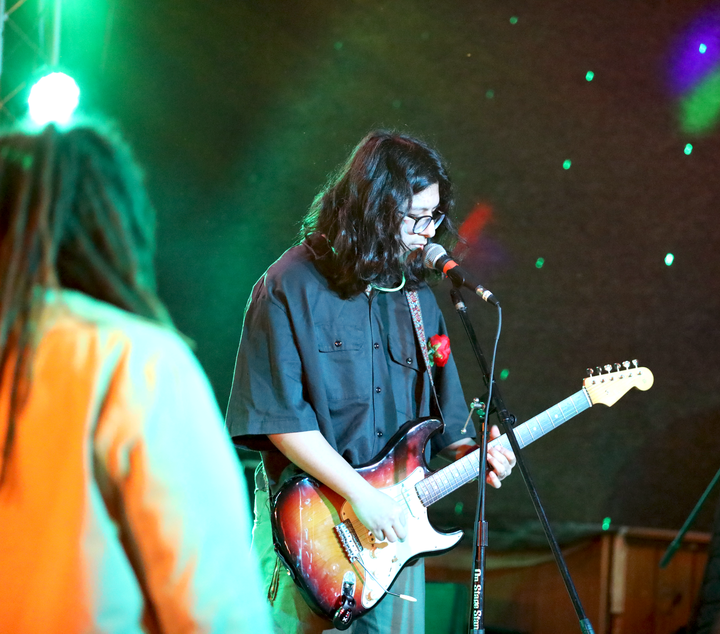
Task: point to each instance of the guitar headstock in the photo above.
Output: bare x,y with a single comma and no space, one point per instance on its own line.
610,387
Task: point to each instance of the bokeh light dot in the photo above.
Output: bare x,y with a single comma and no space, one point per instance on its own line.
514,20
669,259
589,75
504,374
566,164
702,48
606,524
688,149
539,263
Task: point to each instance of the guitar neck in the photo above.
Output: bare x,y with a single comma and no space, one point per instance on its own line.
447,479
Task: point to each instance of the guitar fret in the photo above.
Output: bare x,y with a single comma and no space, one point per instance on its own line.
446,480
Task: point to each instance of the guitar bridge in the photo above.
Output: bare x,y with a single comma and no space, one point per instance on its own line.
348,540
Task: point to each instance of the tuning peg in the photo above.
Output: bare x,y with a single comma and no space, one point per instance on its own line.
635,363
590,372
608,368
617,367
599,369
626,365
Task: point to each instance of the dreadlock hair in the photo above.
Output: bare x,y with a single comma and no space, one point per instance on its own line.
73,213
353,225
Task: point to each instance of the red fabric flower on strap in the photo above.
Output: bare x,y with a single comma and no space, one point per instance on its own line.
439,350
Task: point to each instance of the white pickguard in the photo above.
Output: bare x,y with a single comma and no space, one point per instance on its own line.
383,560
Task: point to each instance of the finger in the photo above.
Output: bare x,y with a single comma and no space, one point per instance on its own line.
504,454
508,453
390,536
510,456
493,480
400,530
499,464
494,432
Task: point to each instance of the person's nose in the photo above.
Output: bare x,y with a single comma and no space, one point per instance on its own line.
429,231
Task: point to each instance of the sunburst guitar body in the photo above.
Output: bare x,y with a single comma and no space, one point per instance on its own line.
339,566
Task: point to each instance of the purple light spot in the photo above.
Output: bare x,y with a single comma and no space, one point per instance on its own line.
695,53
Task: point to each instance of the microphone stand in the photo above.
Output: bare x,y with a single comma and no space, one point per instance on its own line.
507,420
675,544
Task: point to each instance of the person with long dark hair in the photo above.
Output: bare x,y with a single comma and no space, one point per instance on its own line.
122,508
329,365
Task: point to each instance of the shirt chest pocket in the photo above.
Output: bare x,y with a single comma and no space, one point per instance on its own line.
404,352
342,350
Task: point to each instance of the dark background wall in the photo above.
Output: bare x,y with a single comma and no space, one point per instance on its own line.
238,111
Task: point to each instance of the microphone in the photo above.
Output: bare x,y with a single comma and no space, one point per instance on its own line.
437,258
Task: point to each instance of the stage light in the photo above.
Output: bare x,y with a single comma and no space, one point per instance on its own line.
589,75
567,164
539,263
702,48
489,94
459,508
688,149
504,374
53,99
669,259
606,524
513,20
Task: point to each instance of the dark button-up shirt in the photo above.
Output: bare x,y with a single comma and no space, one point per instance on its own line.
350,368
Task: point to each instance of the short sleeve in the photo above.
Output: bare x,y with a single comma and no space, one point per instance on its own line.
268,395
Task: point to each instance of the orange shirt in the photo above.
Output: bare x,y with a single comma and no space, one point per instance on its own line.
124,509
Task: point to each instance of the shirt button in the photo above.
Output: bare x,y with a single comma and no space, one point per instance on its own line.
338,344
378,390
376,346
408,361
379,434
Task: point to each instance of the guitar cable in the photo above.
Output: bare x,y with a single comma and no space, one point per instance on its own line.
405,597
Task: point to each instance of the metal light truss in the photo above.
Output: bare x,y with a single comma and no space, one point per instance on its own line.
29,40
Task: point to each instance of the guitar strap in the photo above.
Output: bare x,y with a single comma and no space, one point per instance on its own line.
414,304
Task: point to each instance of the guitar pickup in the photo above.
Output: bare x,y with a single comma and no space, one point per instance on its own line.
348,540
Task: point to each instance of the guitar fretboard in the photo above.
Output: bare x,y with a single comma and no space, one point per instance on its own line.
446,480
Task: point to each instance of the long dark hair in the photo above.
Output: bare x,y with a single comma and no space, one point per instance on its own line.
357,215
73,213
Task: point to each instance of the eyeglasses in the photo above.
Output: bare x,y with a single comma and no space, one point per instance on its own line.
423,222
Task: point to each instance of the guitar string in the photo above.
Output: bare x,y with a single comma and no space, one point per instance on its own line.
434,487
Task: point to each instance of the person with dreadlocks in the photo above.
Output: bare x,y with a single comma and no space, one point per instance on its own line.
331,364
122,508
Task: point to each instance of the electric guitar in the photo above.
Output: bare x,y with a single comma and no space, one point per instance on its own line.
341,569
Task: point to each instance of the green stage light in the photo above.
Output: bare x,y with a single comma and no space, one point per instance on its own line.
53,99
539,263
606,524
669,259
513,20
703,48
700,109
589,75
567,164
688,149
504,374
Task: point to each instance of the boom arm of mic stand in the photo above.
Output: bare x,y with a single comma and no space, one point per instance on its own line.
507,420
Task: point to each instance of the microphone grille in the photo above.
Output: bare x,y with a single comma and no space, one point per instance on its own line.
432,253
